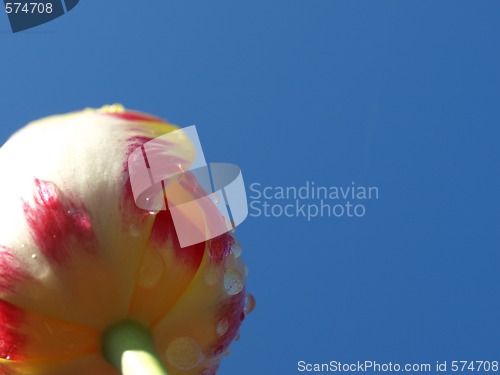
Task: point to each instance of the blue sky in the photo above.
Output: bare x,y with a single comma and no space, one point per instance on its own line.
402,95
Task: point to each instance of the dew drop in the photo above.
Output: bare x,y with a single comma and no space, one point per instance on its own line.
249,303
181,169
222,327
113,108
84,222
212,276
219,350
7,358
215,198
134,231
33,256
151,270
80,218
72,211
233,281
236,249
184,353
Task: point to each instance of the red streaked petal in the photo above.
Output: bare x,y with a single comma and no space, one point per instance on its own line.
230,310
11,272
163,234
166,271
220,247
11,341
134,116
56,225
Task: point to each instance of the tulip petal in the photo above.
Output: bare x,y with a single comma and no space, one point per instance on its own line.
209,312
77,254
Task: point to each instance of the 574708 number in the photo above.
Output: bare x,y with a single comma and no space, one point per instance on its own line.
28,8
469,366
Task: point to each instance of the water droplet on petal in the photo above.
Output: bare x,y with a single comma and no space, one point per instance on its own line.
215,198
7,358
33,256
184,353
236,249
113,108
212,276
134,231
249,303
80,218
151,270
219,350
233,281
72,211
222,327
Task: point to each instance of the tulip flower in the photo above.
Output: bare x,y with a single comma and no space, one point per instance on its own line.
90,284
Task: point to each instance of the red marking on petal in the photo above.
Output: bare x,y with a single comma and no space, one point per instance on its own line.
58,227
220,247
134,116
11,341
164,230
136,142
232,310
11,272
130,211
144,155
47,192
133,144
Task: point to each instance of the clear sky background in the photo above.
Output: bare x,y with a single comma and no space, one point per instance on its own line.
402,95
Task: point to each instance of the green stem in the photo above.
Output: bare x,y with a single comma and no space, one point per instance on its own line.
129,347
